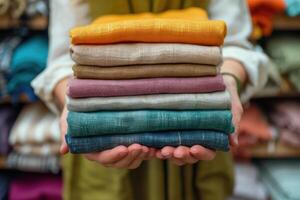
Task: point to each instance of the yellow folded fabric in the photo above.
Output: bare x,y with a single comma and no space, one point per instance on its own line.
144,71
177,26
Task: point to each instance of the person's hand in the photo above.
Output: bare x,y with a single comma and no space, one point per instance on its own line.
236,107
119,157
184,155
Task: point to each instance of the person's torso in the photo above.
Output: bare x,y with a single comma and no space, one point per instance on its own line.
104,7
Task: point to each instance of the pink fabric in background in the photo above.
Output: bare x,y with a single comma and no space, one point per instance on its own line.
79,88
36,187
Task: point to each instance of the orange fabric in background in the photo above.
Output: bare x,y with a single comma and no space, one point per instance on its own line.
254,125
178,26
263,11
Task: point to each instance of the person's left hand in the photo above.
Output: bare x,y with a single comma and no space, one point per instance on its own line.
189,155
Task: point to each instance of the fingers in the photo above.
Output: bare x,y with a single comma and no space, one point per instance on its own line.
183,154
109,157
122,157
139,159
202,153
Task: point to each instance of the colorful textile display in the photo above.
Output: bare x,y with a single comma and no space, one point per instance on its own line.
152,79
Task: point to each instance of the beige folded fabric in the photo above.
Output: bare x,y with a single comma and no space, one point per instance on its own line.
145,53
144,71
215,100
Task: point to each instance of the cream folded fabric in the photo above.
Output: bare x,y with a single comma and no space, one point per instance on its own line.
215,100
145,53
38,149
144,71
35,125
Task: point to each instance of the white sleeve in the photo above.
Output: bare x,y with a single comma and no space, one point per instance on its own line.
64,15
236,15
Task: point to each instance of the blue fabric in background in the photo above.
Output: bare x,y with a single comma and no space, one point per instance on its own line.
81,124
28,60
4,185
292,7
210,139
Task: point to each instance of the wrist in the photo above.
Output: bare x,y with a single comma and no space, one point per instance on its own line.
235,69
60,92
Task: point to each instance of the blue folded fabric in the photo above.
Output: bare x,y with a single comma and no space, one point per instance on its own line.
81,124
292,7
209,139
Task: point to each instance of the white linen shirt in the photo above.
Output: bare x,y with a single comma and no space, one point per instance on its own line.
66,14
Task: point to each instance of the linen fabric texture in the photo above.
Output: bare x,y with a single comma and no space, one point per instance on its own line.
145,53
205,101
209,139
81,124
79,88
185,26
144,71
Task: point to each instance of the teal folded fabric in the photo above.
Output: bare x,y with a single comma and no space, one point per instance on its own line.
81,124
209,139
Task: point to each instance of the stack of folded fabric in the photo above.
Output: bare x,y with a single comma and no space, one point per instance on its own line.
35,139
151,79
20,64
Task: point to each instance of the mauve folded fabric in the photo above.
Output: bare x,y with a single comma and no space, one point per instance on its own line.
216,100
185,26
145,53
36,187
144,71
209,139
81,124
78,88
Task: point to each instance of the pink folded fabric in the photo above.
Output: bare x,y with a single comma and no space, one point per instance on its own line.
78,88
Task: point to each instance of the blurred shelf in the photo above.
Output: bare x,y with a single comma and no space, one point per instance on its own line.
283,22
36,23
274,150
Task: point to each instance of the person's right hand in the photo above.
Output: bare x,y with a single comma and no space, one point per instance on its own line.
119,157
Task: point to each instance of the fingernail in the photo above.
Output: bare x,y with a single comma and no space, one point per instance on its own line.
236,140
